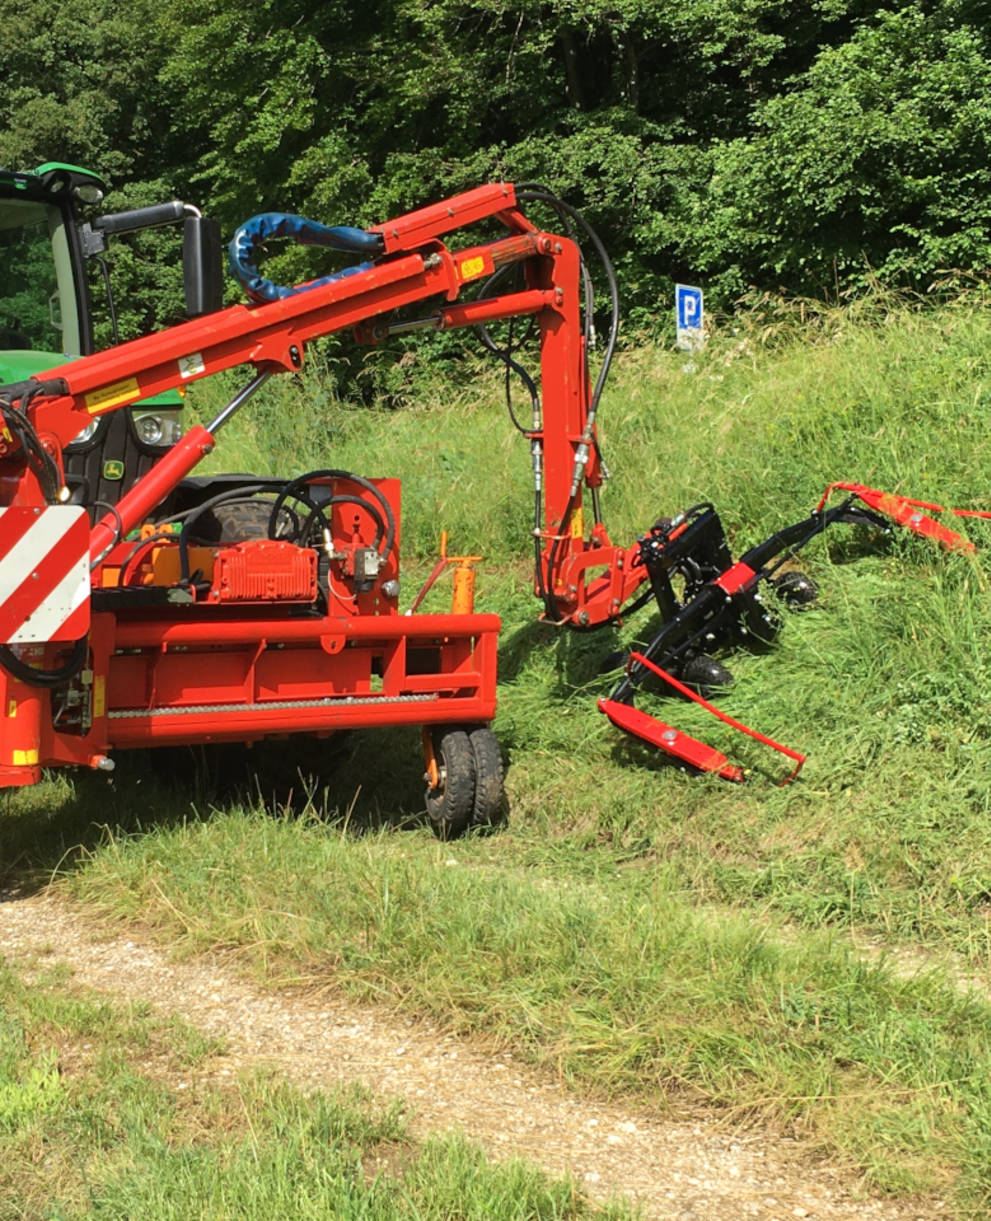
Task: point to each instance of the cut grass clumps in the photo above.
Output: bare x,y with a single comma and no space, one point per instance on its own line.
127,1120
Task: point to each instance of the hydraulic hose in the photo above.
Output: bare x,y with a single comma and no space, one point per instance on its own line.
528,192
307,233
195,514
44,678
291,488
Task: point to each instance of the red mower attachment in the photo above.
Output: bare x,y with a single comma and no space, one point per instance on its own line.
232,608
690,750
722,606
908,513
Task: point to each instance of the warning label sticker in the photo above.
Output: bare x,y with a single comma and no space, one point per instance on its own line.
192,365
472,268
108,397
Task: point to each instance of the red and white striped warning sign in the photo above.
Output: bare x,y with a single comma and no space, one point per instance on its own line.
44,573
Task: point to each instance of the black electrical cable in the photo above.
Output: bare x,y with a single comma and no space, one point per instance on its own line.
113,510
533,434
506,354
235,498
513,366
611,281
317,512
380,525
303,531
140,545
38,458
588,326
536,192
200,509
111,309
544,196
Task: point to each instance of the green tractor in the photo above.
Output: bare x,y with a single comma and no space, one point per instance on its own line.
50,231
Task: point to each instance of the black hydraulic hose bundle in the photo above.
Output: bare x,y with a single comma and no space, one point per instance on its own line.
15,398
385,521
192,517
385,524
44,678
569,216
532,434
533,192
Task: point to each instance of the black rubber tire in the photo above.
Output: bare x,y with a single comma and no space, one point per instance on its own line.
449,805
488,806
705,676
796,589
234,523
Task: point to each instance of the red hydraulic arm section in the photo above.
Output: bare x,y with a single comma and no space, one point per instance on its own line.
247,652
584,579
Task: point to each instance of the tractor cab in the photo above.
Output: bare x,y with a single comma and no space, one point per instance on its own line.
50,231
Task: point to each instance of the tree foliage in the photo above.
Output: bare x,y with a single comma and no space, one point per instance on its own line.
802,144
876,162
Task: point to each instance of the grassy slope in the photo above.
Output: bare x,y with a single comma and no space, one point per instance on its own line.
626,927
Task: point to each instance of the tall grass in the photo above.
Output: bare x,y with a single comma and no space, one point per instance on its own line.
641,929
884,394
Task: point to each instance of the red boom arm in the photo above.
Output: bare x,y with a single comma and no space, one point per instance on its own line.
416,267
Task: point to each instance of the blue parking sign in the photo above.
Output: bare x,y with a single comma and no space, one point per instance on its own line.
688,316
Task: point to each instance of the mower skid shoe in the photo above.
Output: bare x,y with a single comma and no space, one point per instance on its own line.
689,750
705,758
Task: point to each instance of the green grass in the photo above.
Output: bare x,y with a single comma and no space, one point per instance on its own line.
642,931
601,971
108,1111
760,422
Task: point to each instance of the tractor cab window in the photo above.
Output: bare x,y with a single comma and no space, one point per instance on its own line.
37,293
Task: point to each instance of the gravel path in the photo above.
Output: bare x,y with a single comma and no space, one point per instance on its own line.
697,1170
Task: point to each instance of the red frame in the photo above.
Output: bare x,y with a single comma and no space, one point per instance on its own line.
237,673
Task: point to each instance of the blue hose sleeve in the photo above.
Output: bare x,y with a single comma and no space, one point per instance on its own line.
307,233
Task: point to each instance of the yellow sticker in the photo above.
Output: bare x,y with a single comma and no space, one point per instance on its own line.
577,524
24,758
113,396
99,695
11,709
471,269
